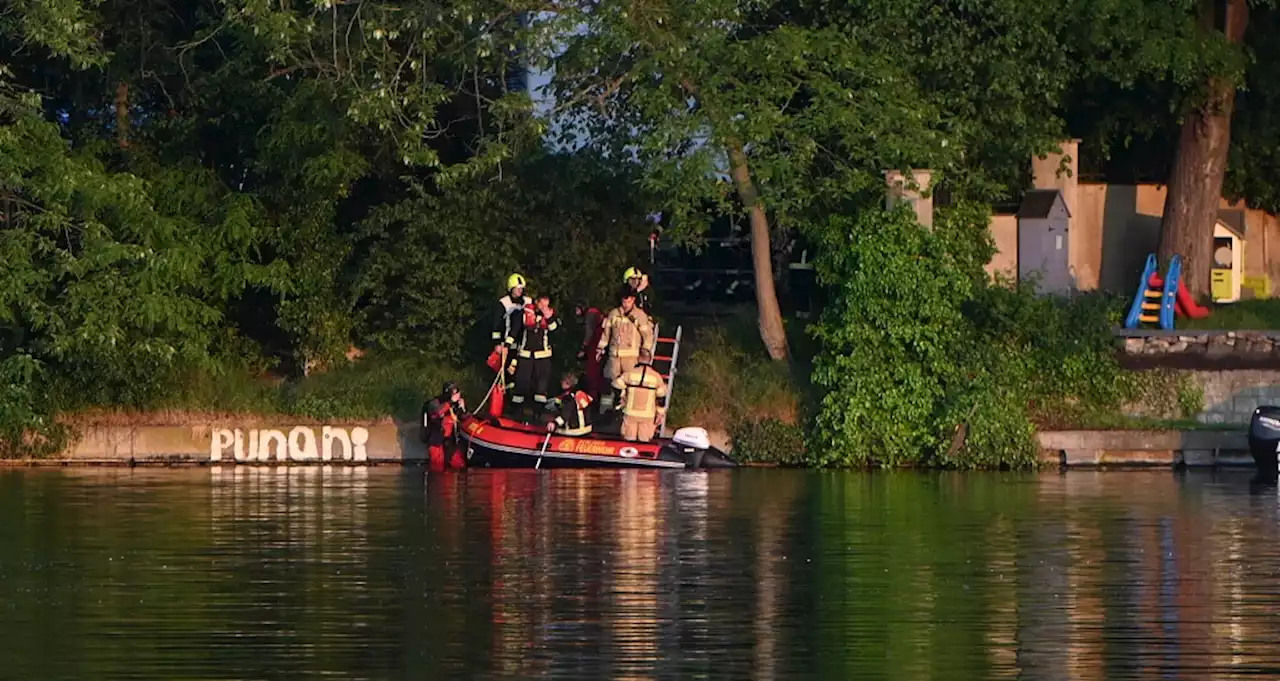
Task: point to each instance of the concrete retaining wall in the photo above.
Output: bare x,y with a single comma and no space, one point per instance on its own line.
1203,349
346,444
1226,397
1128,448
1237,371
228,443
1231,396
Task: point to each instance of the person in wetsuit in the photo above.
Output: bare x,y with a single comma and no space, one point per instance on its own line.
440,428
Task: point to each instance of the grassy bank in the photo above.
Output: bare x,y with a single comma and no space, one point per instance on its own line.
375,388
726,383
1257,315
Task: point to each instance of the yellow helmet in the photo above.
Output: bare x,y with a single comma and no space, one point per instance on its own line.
515,281
631,273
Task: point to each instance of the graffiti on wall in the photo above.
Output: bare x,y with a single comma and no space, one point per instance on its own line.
300,443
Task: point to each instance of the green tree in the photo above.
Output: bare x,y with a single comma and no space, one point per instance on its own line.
1167,76
113,280
926,362
798,119
432,265
1200,164
1253,170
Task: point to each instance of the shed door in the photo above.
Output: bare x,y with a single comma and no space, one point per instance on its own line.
1057,277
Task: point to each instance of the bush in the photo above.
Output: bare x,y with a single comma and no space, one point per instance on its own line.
768,440
727,383
917,343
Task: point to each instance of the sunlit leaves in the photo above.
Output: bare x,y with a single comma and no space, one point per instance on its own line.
916,342
394,68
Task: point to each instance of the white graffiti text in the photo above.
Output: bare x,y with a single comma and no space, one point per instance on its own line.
298,444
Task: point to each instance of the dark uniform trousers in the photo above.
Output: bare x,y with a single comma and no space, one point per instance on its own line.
532,379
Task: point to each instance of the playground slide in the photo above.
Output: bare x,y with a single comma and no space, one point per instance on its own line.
1186,305
1131,321
1162,297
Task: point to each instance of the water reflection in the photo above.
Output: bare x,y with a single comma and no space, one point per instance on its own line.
262,572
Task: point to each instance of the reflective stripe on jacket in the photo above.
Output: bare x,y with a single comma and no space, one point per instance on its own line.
440,420
506,319
625,333
535,340
641,388
571,417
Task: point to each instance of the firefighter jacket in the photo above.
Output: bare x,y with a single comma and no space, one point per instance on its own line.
506,319
641,388
571,413
535,336
626,332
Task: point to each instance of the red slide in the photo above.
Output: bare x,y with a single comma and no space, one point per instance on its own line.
1185,306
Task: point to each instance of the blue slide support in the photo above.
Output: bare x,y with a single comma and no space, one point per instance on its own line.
1135,310
1169,297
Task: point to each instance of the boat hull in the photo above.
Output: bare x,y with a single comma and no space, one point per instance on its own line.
500,443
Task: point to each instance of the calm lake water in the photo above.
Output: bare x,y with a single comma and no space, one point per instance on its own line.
355,573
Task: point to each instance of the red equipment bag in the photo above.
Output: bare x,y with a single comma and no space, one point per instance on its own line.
497,399
497,396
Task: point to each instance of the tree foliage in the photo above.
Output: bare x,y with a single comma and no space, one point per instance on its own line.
188,187
918,344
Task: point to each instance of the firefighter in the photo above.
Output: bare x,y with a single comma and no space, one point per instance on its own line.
626,330
533,355
507,315
638,282
571,409
593,322
641,388
440,426
506,330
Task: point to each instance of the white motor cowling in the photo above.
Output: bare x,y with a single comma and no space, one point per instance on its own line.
693,438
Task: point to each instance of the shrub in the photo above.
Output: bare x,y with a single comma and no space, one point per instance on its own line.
727,383
917,342
768,440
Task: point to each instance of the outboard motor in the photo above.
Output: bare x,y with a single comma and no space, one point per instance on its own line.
1264,440
695,445
692,443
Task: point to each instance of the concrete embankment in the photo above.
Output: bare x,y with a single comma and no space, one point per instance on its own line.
390,443
357,444
1132,448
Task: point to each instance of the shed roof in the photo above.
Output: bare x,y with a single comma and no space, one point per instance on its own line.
1037,203
1232,220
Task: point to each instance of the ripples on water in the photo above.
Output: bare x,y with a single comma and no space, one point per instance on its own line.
356,573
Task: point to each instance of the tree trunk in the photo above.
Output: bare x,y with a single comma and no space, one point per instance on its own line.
122,114
1195,184
772,330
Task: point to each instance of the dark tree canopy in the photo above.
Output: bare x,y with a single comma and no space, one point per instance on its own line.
220,185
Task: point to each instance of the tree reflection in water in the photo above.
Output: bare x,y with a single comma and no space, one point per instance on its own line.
257,572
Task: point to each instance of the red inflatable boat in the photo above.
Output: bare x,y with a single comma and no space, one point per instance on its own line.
504,443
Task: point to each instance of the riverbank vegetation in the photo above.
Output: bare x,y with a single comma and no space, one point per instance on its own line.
216,206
